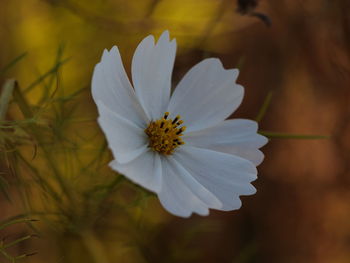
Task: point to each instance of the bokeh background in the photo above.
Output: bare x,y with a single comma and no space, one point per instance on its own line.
295,50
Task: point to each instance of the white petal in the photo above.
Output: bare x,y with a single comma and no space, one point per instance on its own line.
126,140
206,95
175,195
111,85
226,176
146,170
196,188
253,155
238,137
152,66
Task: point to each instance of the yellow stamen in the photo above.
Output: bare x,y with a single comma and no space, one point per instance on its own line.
164,134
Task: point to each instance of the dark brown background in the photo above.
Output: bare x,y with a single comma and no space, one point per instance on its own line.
301,212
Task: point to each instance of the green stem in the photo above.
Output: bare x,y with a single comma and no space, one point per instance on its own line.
26,110
264,107
5,98
17,241
12,63
15,221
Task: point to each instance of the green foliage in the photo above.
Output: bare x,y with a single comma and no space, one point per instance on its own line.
4,246
4,185
12,63
61,180
69,189
264,107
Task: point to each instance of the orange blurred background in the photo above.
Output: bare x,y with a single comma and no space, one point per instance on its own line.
301,212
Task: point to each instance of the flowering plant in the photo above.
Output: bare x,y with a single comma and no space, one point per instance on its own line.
209,162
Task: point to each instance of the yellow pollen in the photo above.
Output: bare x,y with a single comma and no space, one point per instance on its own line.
164,134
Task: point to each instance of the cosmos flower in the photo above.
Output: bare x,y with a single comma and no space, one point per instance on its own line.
177,145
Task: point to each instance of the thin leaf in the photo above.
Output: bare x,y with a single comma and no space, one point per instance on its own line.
26,110
46,91
53,70
19,240
22,103
26,255
4,185
264,107
6,96
12,63
7,256
240,63
10,222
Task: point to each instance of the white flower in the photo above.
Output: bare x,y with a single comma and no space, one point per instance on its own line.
207,166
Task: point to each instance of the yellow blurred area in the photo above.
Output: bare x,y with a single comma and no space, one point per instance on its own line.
301,212
86,28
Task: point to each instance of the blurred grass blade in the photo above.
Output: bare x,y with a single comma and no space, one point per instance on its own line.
46,91
240,62
4,185
26,110
22,103
51,71
264,107
7,256
6,96
19,240
25,255
45,185
4,246
106,190
12,63
12,221
277,135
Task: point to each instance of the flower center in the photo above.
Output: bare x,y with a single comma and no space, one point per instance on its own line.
164,134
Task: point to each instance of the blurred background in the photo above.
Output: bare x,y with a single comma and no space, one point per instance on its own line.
60,201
